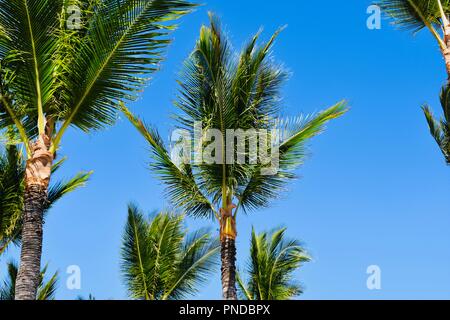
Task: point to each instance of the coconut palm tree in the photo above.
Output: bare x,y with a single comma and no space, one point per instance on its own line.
12,186
161,260
220,92
434,15
269,273
46,290
66,63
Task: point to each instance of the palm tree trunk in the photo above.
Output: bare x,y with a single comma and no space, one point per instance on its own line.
37,177
446,51
228,256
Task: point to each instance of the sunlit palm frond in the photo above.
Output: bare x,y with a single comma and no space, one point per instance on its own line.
440,128
261,188
123,45
160,260
182,188
273,260
413,14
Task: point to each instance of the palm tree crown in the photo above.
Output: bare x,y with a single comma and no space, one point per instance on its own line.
161,260
222,92
273,260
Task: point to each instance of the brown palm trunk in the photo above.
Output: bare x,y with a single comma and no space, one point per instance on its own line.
228,255
228,252
446,52
37,177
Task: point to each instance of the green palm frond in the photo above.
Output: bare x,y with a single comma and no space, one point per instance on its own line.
182,189
417,14
160,260
221,90
273,261
440,128
61,188
60,75
123,44
46,290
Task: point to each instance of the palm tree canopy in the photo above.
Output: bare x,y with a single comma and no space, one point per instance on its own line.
161,260
223,92
46,290
55,74
414,14
440,128
273,260
12,170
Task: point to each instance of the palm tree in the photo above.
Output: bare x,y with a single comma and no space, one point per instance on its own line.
46,290
220,92
57,72
12,186
416,15
160,260
269,273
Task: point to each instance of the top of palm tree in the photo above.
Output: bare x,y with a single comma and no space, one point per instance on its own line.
223,92
161,260
56,71
273,260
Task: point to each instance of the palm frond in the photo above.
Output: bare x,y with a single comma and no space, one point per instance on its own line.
160,260
124,43
273,259
440,128
62,188
182,188
46,290
415,15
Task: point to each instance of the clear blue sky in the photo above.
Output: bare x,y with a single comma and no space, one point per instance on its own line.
374,190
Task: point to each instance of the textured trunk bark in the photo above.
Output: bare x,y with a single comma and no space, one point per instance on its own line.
446,52
37,177
228,255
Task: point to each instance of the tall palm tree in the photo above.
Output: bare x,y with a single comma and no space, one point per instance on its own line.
434,15
12,190
273,260
57,72
221,92
46,290
161,260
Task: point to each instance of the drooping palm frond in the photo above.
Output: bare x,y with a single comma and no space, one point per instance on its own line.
440,128
270,270
160,260
64,74
46,290
182,189
124,43
418,14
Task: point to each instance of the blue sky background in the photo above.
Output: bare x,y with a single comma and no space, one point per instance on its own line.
374,190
